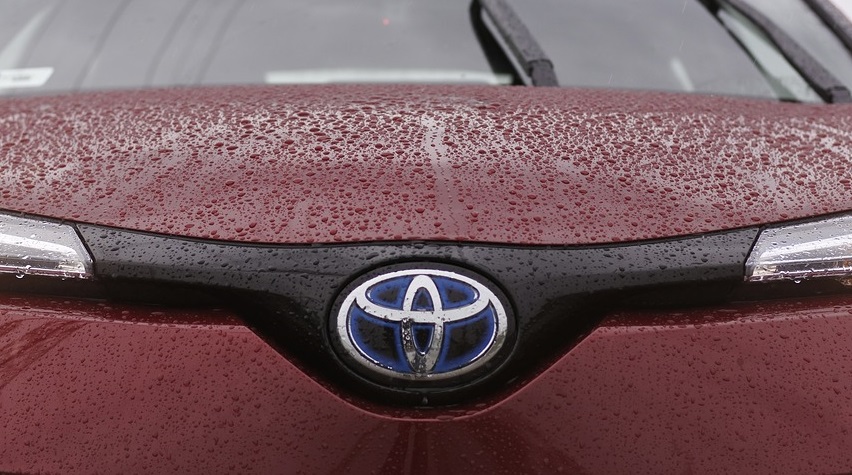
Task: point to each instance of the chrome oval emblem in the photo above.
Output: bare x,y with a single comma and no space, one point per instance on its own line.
421,324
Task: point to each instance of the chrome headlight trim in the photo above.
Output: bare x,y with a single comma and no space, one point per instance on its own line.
812,250
36,247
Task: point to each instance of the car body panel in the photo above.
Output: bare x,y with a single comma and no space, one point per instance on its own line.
324,164
232,235
755,387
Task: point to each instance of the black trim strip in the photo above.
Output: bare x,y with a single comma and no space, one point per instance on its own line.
558,294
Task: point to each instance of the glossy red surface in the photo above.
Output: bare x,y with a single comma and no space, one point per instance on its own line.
360,163
756,388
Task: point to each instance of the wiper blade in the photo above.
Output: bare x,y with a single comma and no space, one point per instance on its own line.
828,87
521,43
834,19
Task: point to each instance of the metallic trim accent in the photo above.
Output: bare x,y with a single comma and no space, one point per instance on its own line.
422,364
811,250
35,247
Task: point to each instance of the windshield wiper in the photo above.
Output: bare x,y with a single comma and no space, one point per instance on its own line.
834,19
828,87
520,43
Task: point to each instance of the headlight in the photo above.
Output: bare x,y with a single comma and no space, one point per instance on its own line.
36,247
803,251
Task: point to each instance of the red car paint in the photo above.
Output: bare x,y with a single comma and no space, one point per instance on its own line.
88,386
377,163
757,388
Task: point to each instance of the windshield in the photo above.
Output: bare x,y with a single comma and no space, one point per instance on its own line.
51,46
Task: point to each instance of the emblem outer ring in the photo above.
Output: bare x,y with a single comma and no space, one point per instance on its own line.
373,370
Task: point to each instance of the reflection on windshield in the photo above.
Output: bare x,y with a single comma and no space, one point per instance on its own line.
65,45
325,76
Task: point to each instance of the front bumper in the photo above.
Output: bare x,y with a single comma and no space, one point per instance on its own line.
757,387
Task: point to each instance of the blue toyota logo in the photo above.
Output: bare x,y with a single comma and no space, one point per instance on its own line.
421,324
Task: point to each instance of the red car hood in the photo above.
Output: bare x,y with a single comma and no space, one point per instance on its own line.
363,163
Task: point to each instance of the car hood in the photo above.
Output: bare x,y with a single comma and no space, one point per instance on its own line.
324,164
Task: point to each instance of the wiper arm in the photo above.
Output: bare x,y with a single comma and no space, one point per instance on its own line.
521,43
834,19
828,87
